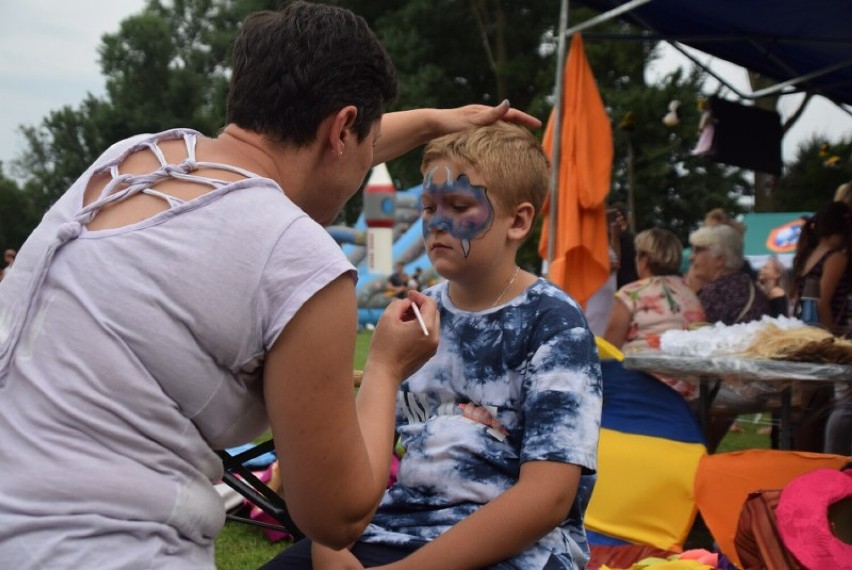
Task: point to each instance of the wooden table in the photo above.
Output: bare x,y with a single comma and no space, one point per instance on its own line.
775,375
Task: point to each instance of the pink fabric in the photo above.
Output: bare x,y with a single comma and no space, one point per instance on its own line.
802,519
258,514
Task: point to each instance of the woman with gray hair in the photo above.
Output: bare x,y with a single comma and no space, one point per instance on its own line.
729,295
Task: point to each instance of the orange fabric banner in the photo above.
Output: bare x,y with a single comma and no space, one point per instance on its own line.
580,262
724,480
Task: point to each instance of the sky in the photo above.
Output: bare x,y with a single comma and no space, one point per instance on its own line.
48,59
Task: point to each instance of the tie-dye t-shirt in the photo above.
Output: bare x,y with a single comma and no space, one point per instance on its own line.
519,382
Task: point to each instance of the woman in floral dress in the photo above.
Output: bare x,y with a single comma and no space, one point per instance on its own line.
658,301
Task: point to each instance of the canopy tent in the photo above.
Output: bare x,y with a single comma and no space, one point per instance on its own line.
804,45
772,234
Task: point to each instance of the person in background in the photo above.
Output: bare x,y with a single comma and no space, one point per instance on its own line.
627,270
772,279
599,305
844,194
717,217
500,428
414,281
8,260
183,296
838,430
398,281
729,296
658,301
822,253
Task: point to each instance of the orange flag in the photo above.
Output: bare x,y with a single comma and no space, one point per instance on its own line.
580,262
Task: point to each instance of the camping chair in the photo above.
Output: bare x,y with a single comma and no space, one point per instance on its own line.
650,446
725,480
243,481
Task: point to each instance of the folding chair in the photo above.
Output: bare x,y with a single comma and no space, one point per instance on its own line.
243,481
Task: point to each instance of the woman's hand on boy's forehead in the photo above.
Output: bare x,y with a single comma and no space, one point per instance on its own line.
480,115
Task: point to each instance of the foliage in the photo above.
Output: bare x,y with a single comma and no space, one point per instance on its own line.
17,217
168,66
811,180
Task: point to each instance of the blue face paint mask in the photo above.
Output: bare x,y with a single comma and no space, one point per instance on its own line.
456,207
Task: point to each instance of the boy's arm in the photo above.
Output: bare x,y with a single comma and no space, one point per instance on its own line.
506,526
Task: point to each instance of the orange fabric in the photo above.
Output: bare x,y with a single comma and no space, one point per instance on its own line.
724,480
580,264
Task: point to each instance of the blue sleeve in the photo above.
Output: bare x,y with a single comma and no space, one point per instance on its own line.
562,390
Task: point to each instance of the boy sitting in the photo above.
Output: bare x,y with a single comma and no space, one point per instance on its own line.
500,427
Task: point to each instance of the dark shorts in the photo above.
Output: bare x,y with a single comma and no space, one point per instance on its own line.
298,556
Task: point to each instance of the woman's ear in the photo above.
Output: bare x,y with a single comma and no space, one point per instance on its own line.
522,222
340,131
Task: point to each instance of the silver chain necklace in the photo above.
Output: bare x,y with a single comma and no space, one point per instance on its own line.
506,288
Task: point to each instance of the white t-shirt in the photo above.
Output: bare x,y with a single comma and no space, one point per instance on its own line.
128,355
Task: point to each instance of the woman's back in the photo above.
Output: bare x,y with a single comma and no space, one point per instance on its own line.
657,304
157,332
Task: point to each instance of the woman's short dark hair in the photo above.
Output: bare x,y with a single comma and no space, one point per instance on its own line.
295,66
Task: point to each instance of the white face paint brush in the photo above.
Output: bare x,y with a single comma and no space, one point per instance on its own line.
419,317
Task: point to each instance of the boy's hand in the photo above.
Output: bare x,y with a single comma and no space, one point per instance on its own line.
327,559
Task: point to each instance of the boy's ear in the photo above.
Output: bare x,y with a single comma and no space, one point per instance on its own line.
340,130
522,222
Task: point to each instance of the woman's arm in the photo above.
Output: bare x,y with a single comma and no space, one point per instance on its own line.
403,131
506,526
619,324
832,271
334,457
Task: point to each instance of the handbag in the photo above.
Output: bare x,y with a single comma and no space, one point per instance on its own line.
758,543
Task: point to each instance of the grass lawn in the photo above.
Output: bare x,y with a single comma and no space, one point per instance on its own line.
241,546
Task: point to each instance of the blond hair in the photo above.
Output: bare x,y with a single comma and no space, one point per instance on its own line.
718,216
507,156
662,249
844,193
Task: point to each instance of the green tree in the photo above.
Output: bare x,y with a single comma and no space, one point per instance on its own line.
168,66
17,217
814,175
672,189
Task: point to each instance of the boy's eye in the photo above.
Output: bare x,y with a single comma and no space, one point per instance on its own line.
428,209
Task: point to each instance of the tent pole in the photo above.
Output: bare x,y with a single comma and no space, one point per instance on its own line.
564,32
557,132
606,16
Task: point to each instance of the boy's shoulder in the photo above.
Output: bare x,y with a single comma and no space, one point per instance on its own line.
541,291
546,294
